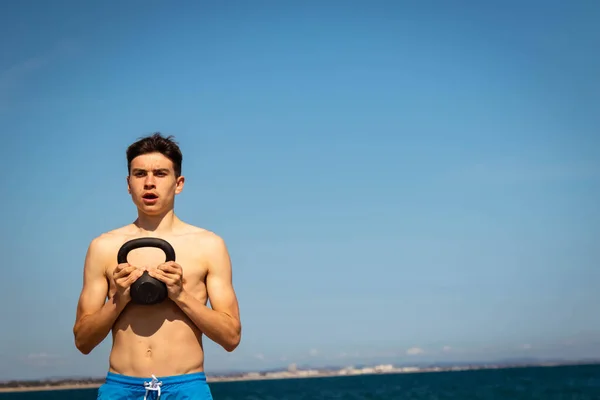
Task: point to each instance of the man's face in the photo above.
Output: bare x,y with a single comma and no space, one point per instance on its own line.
152,183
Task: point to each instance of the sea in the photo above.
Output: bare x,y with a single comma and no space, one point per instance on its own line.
581,382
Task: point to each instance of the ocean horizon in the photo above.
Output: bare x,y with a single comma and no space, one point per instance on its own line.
574,382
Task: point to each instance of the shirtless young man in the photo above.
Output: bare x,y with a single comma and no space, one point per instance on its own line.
157,346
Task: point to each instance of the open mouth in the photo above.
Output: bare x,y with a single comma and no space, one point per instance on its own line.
150,196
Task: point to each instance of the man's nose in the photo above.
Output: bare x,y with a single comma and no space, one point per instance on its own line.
149,181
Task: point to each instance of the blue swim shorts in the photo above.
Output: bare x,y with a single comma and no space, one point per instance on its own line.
188,386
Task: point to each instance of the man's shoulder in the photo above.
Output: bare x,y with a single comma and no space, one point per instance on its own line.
210,247
205,238
102,249
108,241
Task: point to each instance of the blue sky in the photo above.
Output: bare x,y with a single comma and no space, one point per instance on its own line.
396,181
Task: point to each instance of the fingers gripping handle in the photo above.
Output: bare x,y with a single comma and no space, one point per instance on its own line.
147,290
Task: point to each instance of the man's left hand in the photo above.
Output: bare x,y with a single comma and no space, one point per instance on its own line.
172,275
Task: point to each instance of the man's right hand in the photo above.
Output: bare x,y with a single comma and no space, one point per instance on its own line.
96,316
124,275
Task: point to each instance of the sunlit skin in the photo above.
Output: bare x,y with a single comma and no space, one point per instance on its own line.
163,339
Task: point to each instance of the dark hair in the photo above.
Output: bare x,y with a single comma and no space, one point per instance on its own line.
156,143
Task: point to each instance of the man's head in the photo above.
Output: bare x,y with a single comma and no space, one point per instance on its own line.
154,165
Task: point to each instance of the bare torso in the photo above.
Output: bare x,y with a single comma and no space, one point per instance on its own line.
159,339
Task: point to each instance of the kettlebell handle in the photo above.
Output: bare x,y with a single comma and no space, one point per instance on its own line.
145,242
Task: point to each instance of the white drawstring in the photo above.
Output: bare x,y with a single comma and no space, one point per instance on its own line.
153,385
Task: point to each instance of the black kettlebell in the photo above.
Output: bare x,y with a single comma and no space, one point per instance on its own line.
146,289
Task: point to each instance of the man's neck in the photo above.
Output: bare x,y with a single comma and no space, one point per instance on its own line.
156,223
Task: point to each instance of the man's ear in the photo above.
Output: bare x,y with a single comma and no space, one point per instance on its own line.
180,182
128,186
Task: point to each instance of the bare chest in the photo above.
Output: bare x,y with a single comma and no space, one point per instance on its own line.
193,266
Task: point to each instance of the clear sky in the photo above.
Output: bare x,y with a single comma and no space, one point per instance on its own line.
396,181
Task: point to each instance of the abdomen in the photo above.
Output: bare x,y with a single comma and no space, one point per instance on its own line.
157,340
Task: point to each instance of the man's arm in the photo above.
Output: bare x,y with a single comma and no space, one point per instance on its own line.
94,318
221,323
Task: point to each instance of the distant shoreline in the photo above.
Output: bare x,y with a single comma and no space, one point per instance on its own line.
45,388
71,384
